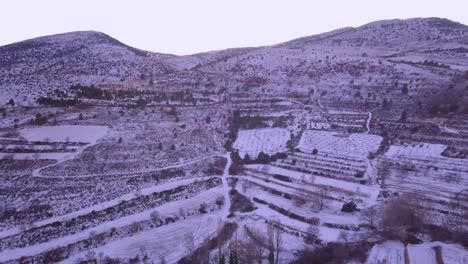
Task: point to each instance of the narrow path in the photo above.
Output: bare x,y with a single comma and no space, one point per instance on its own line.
446,129
37,173
169,208
16,229
369,118
227,200
101,206
371,170
184,163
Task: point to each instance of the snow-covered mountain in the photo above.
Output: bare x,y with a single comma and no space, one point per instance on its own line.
422,53
32,67
391,34
344,147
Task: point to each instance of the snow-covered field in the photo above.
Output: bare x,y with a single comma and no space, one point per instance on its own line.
31,156
165,242
65,133
268,140
393,252
331,142
420,150
86,180
368,142
54,140
104,205
369,191
165,210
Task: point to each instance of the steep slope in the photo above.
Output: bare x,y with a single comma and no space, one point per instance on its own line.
31,68
408,61
361,67
393,34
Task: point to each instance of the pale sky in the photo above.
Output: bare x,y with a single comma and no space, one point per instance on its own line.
191,26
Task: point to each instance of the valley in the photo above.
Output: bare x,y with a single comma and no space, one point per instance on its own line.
353,142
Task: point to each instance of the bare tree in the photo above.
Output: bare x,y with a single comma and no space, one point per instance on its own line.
189,240
258,237
319,199
457,221
400,215
278,243
155,217
312,235
202,254
383,174
452,178
370,215
182,212
220,201
270,237
344,236
138,193
135,227
248,251
403,176
300,198
259,250
245,185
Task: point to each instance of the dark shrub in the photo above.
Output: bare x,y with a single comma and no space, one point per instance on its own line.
282,178
349,207
260,201
411,239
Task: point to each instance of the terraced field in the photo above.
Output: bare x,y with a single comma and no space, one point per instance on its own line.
349,146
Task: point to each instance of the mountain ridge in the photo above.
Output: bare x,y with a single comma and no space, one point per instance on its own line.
329,61
90,33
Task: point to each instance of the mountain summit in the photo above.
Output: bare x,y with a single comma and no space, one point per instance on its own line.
37,66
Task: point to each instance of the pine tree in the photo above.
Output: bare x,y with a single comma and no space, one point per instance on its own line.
233,258
404,89
247,159
271,258
404,116
263,158
222,259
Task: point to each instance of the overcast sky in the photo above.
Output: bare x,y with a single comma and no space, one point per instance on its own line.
191,26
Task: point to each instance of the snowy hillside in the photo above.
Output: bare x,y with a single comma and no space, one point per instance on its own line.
349,146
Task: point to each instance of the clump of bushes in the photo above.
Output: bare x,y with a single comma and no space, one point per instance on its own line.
336,253
240,203
349,207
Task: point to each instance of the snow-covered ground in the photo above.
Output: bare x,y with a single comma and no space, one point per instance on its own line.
392,252
268,140
167,209
32,156
65,133
370,191
335,82
388,252
358,144
167,241
367,141
102,206
420,150
49,136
